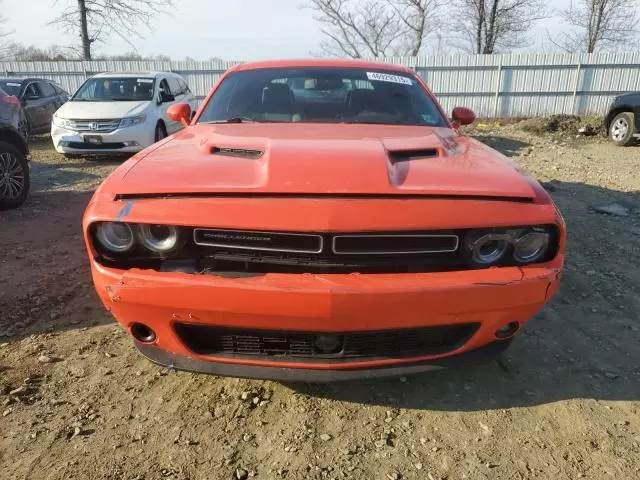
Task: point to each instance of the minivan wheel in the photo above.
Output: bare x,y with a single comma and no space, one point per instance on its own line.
622,129
14,176
161,132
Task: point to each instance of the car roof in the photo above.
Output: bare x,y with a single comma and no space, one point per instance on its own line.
133,74
323,62
25,79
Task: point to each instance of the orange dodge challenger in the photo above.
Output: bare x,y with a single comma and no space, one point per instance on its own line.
322,220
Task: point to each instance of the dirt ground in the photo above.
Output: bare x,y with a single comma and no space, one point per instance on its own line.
79,403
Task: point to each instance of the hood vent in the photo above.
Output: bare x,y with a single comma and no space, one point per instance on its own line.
236,152
406,155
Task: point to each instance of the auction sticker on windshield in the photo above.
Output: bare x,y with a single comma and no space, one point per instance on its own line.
387,77
145,80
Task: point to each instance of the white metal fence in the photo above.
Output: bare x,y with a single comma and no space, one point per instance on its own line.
492,85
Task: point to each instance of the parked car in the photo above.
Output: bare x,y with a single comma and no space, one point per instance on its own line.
14,166
116,113
39,97
622,121
322,220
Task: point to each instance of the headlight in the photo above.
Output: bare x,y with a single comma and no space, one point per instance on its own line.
531,247
489,249
510,246
160,238
61,122
131,121
115,236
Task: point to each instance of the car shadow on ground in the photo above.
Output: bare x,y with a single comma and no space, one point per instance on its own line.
584,344
507,146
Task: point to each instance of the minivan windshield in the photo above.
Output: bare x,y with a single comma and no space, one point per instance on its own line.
115,89
322,95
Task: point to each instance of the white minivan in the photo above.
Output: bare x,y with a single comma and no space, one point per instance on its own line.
119,113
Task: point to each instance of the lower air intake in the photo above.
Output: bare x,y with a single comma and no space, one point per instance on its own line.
289,346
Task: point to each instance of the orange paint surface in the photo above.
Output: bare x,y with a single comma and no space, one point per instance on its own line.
320,166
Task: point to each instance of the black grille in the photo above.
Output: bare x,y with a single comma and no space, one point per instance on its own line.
312,347
96,146
394,244
364,252
260,241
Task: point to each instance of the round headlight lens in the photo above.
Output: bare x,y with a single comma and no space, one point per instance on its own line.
160,238
115,236
489,249
531,247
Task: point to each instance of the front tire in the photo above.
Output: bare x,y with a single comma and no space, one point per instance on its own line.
622,129
161,132
14,177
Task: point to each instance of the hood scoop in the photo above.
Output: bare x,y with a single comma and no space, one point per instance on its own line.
407,155
237,152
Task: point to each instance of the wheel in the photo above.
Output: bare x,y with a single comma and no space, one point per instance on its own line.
14,176
622,129
161,132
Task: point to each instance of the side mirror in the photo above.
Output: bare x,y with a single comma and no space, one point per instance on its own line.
462,116
180,112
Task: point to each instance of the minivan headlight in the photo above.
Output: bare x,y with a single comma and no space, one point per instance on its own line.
131,121
61,122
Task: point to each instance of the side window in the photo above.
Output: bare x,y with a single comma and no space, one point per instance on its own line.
47,89
185,86
32,91
164,86
59,90
174,85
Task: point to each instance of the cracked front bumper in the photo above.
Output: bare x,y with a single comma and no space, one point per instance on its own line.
322,303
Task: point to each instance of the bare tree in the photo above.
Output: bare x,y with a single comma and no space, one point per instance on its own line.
487,26
16,51
598,24
96,19
375,28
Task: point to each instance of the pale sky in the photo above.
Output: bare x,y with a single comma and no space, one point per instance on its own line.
202,29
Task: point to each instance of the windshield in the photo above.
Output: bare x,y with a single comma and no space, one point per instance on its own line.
11,87
322,95
114,89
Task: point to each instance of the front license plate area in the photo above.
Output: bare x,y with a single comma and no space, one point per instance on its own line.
93,139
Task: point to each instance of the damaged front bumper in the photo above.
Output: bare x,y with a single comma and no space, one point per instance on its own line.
328,303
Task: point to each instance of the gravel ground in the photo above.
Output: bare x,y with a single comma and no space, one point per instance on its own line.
78,402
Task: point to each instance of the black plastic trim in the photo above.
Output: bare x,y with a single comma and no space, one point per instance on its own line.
179,362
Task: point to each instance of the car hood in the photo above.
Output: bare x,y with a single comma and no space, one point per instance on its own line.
101,110
323,159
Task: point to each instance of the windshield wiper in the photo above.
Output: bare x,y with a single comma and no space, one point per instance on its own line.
231,120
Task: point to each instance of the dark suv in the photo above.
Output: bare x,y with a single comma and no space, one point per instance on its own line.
40,99
622,121
14,167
